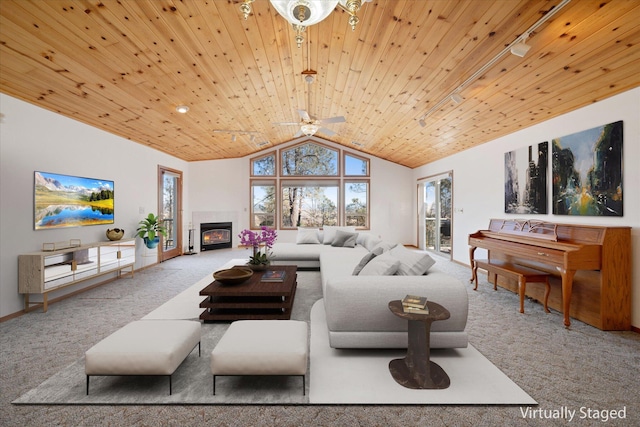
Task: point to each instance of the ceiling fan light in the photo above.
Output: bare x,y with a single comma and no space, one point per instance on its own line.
309,129
304,12
182,109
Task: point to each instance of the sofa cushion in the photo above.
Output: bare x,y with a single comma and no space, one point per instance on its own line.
344,239
367,240
308,236
412,263
329,232
383,265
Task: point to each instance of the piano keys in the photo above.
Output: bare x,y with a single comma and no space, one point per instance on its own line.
591,265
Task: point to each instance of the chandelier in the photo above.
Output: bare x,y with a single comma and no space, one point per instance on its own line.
303,13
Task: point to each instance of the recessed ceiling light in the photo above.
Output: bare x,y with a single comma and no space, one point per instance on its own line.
182,109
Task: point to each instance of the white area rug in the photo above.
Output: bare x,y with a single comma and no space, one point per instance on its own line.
362,376
335,376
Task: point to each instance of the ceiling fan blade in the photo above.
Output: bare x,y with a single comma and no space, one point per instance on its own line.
304,115
326,131
299,133
337,119
287,123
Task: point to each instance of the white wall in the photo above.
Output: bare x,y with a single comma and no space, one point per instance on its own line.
478,177
34,139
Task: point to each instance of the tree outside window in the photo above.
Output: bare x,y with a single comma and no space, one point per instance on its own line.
356,206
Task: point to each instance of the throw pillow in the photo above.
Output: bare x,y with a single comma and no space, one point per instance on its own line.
365,260
386,246
383,265
344,239
330,232
412,263
367,240
307,236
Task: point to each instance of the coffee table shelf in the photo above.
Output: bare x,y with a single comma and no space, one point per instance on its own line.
252,299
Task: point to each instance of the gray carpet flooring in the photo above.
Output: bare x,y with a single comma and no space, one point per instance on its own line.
581,371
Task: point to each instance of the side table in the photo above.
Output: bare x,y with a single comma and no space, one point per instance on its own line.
416,370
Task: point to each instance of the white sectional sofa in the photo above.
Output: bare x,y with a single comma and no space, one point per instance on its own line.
356,306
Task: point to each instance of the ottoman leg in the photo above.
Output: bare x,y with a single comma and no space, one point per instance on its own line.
87,385
214,385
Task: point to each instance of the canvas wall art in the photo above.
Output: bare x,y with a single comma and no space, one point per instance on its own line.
71,201
525,180
587,172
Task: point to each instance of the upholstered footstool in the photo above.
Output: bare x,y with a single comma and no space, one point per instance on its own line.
261,347
144,347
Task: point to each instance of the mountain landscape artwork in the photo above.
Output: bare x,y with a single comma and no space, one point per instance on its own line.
587,172
71,201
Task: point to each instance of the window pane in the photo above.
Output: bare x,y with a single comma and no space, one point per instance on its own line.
308,205
309,160
263,207
356,205
265,166
355,166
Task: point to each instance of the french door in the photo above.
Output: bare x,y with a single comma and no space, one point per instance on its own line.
435,213
170,212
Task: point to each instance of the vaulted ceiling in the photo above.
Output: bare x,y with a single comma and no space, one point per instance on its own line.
124,66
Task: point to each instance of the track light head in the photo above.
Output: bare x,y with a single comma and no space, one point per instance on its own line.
422,122
457,98
521,48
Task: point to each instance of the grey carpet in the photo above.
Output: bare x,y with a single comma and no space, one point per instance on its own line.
577,368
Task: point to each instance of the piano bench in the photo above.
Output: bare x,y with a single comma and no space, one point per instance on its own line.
513,271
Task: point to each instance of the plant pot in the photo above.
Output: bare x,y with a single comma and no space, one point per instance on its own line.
151,244
258,267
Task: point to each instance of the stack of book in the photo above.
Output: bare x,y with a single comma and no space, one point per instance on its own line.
415,304
273,276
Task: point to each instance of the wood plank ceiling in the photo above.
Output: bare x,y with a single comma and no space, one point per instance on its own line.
124,66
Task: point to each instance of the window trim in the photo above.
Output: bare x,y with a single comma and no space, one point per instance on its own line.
344,164
273,153
305,142
278,180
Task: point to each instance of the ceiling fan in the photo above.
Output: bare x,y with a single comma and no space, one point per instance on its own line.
309,126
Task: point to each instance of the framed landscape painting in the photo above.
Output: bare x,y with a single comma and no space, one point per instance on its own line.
525,179
587,172
71,201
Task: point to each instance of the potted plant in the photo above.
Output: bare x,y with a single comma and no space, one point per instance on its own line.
149,230
255,239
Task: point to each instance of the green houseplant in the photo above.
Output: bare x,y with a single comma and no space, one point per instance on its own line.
149,230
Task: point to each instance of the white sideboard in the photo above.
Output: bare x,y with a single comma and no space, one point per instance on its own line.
46,271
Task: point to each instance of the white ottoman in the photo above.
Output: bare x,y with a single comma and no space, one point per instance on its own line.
262,347
144,347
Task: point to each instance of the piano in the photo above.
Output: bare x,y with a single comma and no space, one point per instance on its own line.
591,265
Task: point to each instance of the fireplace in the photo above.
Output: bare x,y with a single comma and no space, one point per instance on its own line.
215,235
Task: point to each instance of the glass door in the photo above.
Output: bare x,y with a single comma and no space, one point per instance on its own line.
170,208
435,208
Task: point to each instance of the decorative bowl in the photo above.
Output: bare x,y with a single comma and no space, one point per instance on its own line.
115,234
233,276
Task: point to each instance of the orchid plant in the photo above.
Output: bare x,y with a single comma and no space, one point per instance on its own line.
265,237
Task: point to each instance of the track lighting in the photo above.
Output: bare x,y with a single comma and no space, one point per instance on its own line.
521,48
517,47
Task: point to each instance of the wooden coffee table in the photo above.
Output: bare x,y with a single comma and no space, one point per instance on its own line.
252,299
